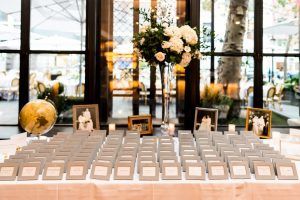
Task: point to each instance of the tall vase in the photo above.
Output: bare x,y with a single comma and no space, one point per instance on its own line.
166,77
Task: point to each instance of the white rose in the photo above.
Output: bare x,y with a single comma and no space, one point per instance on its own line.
187,49
154,29
176,44
160,56
186,59
166,45
142,41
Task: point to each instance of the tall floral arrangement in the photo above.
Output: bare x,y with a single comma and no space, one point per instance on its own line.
163,44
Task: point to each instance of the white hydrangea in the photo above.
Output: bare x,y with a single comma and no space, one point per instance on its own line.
176,44
189,34
172,31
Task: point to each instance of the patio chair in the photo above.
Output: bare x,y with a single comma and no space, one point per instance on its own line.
249,91
270,97
279,95
13,90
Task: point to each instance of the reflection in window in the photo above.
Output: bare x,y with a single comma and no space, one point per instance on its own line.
58,25
281,90
230,99
281,27
9,88
10,24
61,78
222,10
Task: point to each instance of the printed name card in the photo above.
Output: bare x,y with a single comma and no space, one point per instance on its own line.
8,171
53,171
29,171
123,171
101,171
217,171
264,171
149,172
286,171
239,170
76,170
195,171
171,171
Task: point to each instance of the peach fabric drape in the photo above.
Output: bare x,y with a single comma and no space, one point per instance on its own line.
150,191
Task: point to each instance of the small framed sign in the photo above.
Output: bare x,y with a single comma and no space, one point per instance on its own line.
239,170
76,170
286,171
149,172
264,171
8,171
171,171
140,123
101,170
123,171
195,171
217,171
53,171
29,171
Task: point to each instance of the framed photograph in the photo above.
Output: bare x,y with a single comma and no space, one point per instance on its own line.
53,171
149,172
86,117
264,171
259,121
8,171
141,123
286,171
206,119
171,171
217,171
101,171
239,170
195,171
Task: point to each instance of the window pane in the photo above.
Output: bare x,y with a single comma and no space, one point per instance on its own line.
281,27
228,20
60,77
232,98
205,20
128,86
281,88
58,25
9,88
10,23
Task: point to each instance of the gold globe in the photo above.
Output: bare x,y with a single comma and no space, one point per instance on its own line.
38,117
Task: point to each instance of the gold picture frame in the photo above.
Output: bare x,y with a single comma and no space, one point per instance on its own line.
141,123
93,110
264,122
201,113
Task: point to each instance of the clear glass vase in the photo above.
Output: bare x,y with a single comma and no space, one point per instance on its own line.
166,77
